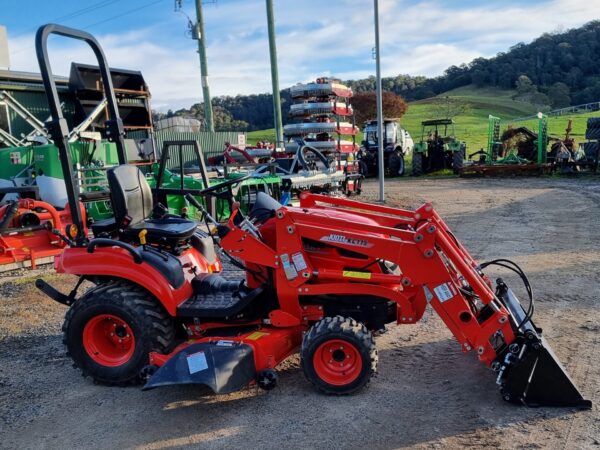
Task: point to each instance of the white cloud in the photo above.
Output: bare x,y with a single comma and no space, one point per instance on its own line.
314,38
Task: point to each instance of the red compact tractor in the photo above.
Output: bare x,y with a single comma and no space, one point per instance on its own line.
320,279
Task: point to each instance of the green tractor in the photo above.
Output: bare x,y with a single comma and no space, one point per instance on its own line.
438,148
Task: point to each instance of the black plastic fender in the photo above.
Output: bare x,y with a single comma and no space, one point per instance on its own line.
224,366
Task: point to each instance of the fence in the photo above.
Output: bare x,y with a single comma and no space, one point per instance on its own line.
577,109
211,144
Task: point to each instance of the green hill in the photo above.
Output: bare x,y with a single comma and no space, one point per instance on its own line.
471,126
557,69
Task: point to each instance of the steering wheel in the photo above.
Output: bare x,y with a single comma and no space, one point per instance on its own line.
217,187
305,150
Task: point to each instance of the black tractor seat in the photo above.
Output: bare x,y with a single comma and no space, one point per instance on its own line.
132,206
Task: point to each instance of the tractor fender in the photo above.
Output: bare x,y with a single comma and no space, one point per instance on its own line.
114,262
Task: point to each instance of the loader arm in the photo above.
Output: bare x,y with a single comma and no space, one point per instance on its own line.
434,268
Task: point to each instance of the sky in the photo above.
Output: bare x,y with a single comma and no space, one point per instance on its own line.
314,38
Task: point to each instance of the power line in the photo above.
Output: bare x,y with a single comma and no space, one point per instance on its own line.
90,8
123,14
118,16
74,14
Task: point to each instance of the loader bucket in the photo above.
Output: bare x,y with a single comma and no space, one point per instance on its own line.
541,380
530,372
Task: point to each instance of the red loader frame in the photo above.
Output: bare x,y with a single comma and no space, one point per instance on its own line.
434,268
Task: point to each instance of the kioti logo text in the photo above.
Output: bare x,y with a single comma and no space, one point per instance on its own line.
340,238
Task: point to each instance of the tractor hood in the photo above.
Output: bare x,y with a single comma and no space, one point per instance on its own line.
335,214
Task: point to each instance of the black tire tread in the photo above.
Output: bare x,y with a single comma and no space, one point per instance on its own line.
592,132
395,161
339,325
457,161
142,304
593,122
417,164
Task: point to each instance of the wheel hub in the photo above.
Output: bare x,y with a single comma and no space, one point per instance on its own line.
337,362
108,340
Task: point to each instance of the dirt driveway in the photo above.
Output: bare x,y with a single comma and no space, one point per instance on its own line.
427,393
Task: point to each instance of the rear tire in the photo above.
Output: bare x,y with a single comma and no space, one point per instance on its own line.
457,161
110,331
396,164
417,164
338,355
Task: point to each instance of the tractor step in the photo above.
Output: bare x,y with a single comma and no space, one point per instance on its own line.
217,297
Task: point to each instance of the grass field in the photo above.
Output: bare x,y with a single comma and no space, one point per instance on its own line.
472,125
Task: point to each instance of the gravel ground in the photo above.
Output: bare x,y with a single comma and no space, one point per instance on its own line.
427,394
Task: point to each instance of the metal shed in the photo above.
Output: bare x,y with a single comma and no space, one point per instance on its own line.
27,89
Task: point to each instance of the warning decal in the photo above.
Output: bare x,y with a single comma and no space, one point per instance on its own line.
444,292
299,262
256,336
352,274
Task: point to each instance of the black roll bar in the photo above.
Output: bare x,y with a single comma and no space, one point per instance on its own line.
57,125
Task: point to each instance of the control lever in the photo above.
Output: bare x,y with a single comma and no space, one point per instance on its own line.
190,198
220,230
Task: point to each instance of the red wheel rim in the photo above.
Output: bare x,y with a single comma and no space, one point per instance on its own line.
337,362
108,340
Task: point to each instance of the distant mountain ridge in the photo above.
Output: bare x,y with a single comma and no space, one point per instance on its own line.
555,70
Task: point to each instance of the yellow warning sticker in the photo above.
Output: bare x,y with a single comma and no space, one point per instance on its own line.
352,274
256,335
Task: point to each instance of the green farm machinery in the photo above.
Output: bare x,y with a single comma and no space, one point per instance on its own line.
517,149
438,148
34,198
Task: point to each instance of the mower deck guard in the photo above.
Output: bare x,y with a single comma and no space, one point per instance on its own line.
531,373
223,366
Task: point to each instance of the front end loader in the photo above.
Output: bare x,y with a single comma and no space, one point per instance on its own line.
319,279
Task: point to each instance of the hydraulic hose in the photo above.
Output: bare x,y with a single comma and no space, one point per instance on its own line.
511,265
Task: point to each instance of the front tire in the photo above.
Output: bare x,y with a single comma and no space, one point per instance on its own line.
396,164
338,355
110,331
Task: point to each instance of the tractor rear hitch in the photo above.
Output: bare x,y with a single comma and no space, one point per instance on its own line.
55,294
528,370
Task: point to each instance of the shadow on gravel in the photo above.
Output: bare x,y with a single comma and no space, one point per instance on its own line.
423,392
430,383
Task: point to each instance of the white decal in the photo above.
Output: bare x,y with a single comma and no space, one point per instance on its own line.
299,262
443,292
288,267
197,362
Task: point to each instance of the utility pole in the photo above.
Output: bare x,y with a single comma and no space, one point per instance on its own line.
379,108
274,75
208,113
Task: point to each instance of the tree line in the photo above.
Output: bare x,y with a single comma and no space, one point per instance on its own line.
555,70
